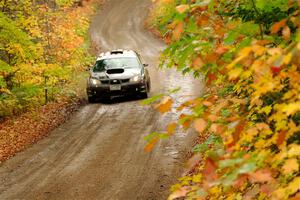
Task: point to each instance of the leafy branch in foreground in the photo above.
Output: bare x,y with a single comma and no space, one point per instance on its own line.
249,53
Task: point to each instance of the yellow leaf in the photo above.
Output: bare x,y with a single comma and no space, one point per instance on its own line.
266,109
291,108
294,150
259,50
243,54
235,73
197,178
294,186
287,58
290,166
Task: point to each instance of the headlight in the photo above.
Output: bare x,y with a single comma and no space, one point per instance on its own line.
94,81
136,78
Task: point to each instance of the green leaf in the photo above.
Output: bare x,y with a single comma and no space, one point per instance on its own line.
152,99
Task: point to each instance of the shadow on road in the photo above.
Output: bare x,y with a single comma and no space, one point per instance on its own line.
118,100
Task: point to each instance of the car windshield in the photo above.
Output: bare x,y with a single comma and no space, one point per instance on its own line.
102,65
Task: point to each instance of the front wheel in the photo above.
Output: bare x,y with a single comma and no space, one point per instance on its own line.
144,95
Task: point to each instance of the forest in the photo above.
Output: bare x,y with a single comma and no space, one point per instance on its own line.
43,51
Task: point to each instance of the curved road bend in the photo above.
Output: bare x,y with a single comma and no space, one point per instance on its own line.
99,154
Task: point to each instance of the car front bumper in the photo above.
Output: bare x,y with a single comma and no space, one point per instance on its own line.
126,89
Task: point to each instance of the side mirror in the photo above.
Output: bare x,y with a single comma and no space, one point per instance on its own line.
146,65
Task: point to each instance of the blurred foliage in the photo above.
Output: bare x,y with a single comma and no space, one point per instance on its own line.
248,119
43,49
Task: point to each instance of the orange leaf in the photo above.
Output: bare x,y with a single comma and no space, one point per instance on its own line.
186,124
290,166
202,20
209,170
200,125
221,50
165,105
260,176
177,32
150,145
215,128
182,8
197,63
212,117
277,26
281,137
171,128
286,32
207,103
211,58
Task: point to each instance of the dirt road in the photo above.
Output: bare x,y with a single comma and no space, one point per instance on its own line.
99,154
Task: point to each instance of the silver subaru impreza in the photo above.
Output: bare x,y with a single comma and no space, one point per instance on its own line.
118,72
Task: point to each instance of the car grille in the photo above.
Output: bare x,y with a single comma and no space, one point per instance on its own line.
105,82
125,80
115,81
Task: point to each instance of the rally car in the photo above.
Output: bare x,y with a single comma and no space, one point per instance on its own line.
118,72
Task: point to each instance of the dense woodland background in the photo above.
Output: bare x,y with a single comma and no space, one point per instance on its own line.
43,49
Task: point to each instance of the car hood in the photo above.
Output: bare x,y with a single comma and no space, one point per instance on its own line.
126,74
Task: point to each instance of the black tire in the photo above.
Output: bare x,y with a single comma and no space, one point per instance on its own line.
144,95
91,99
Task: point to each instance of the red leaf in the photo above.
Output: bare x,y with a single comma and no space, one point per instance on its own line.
281,137
209,170
275,69
211,78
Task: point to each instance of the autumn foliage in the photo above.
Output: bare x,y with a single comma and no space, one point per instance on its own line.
43,49
248,52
